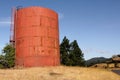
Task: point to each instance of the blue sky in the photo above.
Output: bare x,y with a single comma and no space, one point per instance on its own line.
95,24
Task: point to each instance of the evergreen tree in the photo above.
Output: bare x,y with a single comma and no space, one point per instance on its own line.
9,55
64,51
76,54
71,54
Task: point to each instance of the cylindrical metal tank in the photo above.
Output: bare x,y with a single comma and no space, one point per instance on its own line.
36,37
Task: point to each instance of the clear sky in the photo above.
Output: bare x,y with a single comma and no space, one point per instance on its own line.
95,24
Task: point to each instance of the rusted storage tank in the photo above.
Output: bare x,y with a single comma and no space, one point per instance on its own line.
36,37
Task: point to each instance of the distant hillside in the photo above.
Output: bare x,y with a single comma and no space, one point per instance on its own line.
101,62
96,60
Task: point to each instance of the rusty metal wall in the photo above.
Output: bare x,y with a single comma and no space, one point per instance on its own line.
36,37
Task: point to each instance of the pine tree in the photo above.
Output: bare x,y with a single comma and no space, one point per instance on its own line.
76,54
64,51
71,54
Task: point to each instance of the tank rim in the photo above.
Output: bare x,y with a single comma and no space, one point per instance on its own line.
38,7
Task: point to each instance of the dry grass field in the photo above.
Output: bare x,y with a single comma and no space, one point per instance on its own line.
58,73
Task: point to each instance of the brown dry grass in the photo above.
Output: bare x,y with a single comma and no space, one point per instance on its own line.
58,73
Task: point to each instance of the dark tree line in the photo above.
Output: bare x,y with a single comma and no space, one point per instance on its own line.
70,53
